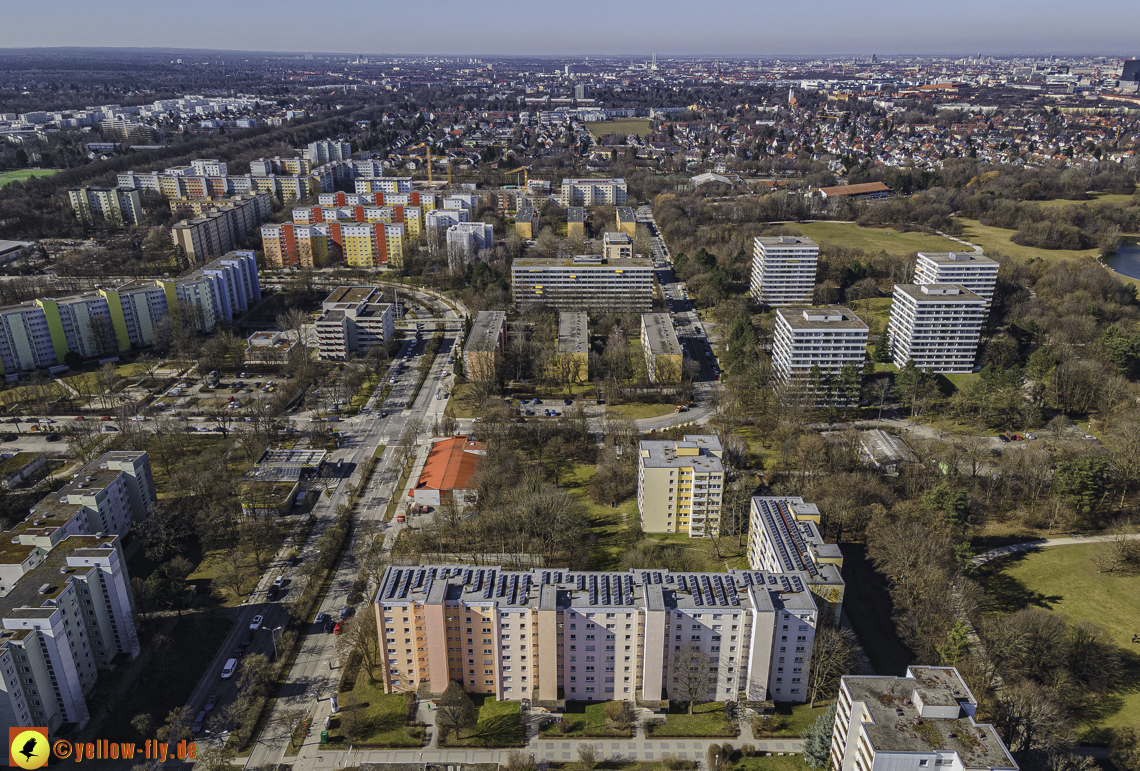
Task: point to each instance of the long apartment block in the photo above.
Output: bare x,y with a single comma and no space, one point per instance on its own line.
221,226
818,340
593,192
553,635
783,536
484,347
680,485
118,205
974,272
664,355
584,283
318,242
40,333
937,326
783,270
924,720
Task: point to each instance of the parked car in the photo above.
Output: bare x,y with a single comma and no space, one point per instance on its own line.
338,627
211,702
196,726
279,581
256,623
322,617
228,669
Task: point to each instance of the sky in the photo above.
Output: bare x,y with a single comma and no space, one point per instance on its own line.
753,28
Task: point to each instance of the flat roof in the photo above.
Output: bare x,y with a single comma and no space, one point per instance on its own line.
575,214
662,453
485,330
621,263
573,332
955,257
939,293
616,237
351,294
48,579
660,334
785,241
736,590
830,317
897,724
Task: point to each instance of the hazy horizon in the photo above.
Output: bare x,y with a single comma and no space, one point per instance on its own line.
728,28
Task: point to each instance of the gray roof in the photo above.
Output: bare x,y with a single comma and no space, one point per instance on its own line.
660,334
785,241
573,333
831,317
956,257
934,293
485,330
662,453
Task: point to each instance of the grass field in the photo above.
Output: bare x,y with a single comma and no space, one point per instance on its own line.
874,239
588,719
639,127
498,724
794,719
1064,580
998,240
1094,199
24,174
773,763
607,526
707,720
382,713
639,411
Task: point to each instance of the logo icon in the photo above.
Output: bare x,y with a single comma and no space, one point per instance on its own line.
28,748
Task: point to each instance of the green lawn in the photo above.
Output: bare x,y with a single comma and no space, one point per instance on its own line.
1063,579
793,719
25,174
960,381
639,127
588,719
608,526
456,405
998,240
640,411
874,239
1094,199
707,720
382,714
498,724
773,763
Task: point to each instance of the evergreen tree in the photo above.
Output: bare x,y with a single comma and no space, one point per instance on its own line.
882,352
817,740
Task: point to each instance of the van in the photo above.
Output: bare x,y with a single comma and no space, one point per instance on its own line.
228,669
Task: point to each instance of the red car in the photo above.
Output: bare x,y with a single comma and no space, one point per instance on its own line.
105,417
336,629
80,417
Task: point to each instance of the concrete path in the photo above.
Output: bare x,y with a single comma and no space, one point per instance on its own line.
1042,543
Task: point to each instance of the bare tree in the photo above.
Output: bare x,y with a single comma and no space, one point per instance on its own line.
832,656
358,637
693,680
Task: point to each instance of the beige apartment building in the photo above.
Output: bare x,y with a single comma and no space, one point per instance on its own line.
568,635
664,355
679,485
484,349
572,360
617,245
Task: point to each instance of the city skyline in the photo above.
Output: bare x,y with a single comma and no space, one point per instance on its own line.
730,28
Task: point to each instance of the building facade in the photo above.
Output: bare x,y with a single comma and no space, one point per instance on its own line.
784,535
617,245
937,326
572,355
813,349
680,485
466,240
974,272
783,270
113,205
664,355
221,227
353,320
552,635
593,192
922,720
328,150
584,283
483,352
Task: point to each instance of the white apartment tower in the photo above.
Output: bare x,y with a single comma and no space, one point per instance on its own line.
922,721
975,272
937,326
828,338
465,240
783,270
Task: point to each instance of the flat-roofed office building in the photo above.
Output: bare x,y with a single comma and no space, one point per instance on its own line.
584,283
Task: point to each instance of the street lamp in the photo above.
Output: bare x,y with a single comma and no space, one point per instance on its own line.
273,638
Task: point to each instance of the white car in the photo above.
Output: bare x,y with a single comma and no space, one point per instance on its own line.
138,418
256,623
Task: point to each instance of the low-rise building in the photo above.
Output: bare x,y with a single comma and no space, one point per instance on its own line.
680,485
575,222
664,355
555,635
922,720
353,320
937,326
572,354
526,221
483,353
617,245
584,283
16,467
783,535
448,475
112,205
819,353
270,347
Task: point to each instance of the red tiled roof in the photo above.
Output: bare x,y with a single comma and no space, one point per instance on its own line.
861,189
450,465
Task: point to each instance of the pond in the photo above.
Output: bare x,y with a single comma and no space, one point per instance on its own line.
1126,261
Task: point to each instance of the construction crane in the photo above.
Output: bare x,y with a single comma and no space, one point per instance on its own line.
526,175
429,166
